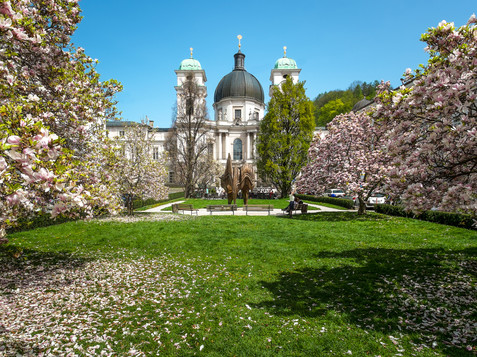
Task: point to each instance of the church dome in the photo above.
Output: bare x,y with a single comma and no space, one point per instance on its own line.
190,64
239,83
285,63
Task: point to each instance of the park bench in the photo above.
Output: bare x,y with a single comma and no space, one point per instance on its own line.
184,207
248,208
218,208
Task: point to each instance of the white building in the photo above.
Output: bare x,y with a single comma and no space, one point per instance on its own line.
239,106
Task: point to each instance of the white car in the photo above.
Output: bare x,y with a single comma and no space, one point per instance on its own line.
334,192
375,199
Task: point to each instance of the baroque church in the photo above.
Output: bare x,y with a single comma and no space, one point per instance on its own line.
239,106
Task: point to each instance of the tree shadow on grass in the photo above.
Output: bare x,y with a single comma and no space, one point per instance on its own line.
338,217
28,268
428,292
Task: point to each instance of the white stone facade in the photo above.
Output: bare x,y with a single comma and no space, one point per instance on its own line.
234,127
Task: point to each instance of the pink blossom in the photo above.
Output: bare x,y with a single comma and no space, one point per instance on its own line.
20,34
13,199
6,8
10,79
5,23
14,140
3,164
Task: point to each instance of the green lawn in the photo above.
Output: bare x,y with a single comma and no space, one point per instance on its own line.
279,203
202,203
325,284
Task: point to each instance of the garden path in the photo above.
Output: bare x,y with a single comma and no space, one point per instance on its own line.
312,208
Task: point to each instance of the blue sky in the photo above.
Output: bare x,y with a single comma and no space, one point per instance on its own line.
333,42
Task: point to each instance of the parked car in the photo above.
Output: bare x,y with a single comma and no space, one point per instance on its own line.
334,192
375,199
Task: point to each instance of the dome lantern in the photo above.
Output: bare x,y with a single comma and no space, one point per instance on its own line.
239,83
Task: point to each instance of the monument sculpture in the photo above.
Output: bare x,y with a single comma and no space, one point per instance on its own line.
228,181
235,179
246,181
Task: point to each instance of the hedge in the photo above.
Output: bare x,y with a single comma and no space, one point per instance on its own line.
451,219
141,203
342,202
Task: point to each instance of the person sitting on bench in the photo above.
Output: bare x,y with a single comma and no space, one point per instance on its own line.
293,204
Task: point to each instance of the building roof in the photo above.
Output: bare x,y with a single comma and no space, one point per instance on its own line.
126,123
285,63
190,64
119,123
363,103
239,83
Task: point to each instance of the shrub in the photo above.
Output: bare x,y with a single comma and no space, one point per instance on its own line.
393,210
342,202
138,203
175,195
452,219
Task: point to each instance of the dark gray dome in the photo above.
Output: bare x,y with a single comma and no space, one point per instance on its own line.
239,83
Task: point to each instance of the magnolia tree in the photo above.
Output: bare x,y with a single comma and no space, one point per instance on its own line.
52,110
433,141
351,156
136,171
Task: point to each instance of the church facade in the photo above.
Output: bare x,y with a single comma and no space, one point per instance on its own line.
239,106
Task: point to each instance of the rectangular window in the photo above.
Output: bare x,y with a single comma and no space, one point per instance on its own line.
121,133
171,177
238,114
155,153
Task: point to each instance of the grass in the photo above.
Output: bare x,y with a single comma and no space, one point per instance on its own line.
279,203
201,203
326,284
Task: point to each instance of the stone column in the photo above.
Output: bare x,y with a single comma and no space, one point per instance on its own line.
219,146
248,152
224,146
252,145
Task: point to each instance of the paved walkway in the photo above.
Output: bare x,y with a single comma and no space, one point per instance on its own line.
312,208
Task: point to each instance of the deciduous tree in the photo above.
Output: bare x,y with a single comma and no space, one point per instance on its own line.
434,137
136,172
352,156
188,144
52,110
285,134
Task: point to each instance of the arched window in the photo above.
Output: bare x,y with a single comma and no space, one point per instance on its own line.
237,149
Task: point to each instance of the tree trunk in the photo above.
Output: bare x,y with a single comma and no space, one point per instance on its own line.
362,206
129,204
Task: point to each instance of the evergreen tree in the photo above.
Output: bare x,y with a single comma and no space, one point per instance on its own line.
285,135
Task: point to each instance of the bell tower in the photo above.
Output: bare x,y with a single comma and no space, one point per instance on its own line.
284,67
190,69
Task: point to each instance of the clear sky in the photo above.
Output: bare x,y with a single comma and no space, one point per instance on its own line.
141,43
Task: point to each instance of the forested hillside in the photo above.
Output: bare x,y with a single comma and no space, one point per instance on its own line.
332,103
